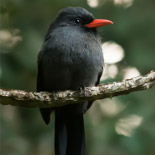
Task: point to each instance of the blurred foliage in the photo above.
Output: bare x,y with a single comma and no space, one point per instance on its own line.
123,125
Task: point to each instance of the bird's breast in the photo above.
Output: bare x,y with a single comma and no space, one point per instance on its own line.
72,62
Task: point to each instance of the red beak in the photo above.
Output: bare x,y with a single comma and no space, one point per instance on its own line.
98,23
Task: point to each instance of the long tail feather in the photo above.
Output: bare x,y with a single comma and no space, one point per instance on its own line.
69,133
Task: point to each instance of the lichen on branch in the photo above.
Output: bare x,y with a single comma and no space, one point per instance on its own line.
62,98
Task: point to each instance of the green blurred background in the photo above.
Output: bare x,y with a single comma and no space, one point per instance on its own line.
122,125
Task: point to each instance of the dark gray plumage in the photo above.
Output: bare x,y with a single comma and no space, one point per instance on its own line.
70,58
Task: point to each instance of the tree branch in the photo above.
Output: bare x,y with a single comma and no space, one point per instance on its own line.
61,98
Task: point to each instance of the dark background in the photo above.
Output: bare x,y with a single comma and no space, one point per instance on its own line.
122,125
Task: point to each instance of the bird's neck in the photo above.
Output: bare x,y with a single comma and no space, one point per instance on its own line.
71,42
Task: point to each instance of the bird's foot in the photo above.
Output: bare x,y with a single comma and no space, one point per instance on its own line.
83,89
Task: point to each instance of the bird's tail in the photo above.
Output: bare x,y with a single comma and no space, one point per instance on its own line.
46,113
69,133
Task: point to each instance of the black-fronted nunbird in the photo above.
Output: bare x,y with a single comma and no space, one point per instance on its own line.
70,58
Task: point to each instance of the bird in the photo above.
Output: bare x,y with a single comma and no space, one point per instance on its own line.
70,58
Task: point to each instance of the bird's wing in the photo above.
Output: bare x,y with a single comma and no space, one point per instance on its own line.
39,87
97,82
99,76
45,112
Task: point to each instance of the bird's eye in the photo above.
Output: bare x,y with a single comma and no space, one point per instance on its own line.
78,21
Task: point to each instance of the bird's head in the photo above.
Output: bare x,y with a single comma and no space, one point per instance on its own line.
79,17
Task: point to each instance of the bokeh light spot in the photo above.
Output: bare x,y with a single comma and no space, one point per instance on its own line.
110,71
111,107
130,72
9,39
124,3
126,126
93,3
113,52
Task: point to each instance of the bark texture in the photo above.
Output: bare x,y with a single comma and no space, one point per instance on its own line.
61,98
